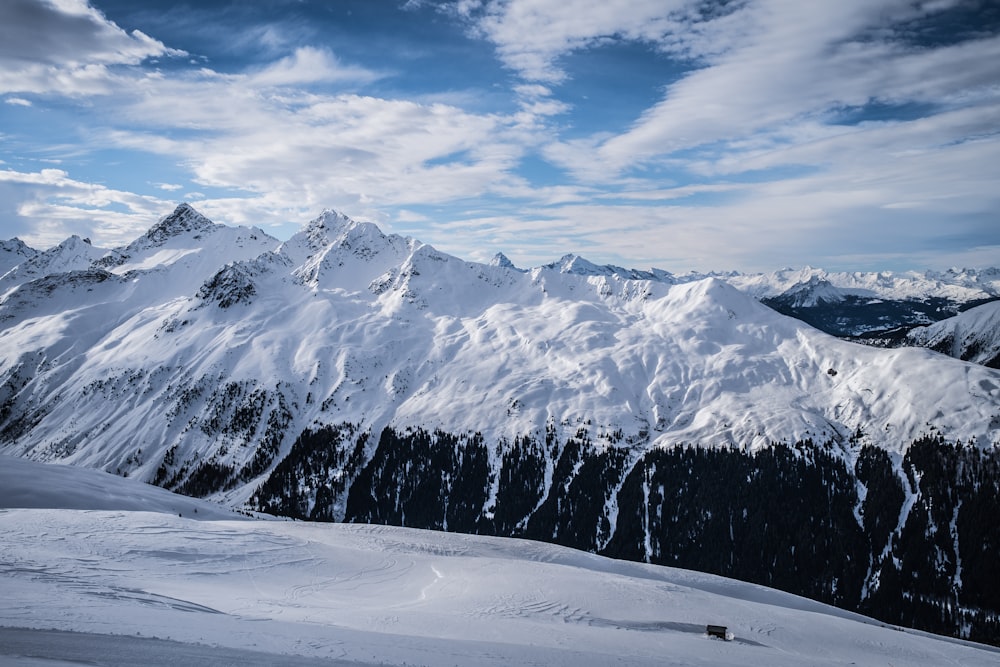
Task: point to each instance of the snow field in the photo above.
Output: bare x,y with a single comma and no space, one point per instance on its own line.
384,595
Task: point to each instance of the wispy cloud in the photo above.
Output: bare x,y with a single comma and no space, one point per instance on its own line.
531,36
785,132
309,65
168,187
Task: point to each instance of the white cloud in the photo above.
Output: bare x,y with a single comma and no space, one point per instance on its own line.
310,65
18,101
317,150
283,140
765,64
45,207
757,90
888,195
66,46
530,35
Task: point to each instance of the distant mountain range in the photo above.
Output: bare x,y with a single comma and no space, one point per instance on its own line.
351,375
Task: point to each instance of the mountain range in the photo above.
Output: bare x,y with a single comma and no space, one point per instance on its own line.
350,375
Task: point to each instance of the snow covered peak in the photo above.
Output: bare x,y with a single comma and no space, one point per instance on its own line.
185,226
332,220
502,261
16,245
576,265
712,303
815,290
335,248
329,228
13,252
184,219
74,243
73,254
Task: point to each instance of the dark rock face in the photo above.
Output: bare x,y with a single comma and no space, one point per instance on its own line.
914,543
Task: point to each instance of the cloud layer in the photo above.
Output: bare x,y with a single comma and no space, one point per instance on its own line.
855,134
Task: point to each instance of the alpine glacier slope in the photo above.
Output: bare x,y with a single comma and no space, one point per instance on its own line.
204,342
124,585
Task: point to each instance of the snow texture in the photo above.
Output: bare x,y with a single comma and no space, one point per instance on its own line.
90,580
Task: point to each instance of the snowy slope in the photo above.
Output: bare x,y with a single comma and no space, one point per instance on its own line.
180,252
13,252
73,254
973,335
28,484
263,592
202,339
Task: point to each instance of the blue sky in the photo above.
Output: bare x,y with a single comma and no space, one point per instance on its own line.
686,135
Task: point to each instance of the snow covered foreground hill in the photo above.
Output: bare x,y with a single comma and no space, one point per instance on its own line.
212,591
348,375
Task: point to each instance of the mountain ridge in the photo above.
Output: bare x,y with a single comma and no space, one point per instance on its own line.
679,362
352,375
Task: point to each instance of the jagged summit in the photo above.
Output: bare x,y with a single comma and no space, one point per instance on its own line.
72,254
573,264
183,219
328,228
502,261
13,252
183,222
332,220
576,265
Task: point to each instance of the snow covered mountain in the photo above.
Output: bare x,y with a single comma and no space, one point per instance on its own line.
14,252
103,571
73,254
350,375
973,335
864,304
958,285
223,335
845,304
